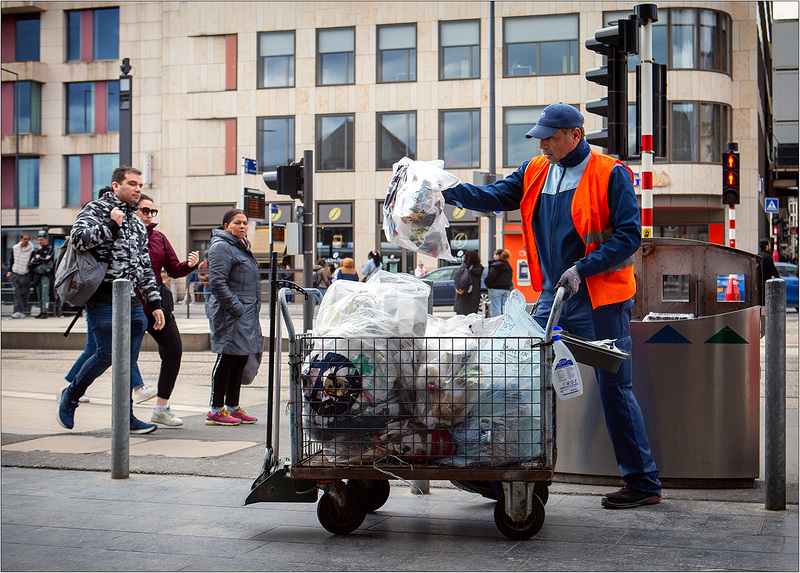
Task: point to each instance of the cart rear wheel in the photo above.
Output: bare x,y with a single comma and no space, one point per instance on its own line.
520,530
375,492
540,489
480,487
345,520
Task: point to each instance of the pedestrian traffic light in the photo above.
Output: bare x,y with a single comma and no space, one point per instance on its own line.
615,42
286,180
730,178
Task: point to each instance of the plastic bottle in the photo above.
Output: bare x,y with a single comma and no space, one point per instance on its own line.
566,375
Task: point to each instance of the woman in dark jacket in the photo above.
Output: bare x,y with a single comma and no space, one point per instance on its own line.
232,310
170,348
499,280
469,300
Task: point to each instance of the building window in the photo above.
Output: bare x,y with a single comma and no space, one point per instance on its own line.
687,38
20,37
28,182
274,142
86,175
335,142
517,121
397,137
336,56
698,131
459,50
92,35
460,138
92,107
397,53
541,45
276,59
28,115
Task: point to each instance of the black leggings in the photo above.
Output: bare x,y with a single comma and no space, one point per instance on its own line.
170,349
226,380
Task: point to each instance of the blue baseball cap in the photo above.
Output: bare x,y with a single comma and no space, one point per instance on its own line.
554,117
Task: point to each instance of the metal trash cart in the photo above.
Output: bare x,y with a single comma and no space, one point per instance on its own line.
479,412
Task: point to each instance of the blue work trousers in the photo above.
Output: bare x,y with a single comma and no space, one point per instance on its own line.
99,327
623,415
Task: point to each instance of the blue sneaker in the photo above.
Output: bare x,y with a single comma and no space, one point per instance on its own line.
139,427
66,409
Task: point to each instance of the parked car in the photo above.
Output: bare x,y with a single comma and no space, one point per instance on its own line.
444,290
788,273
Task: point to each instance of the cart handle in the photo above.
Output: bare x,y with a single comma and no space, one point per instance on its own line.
284,306
555,314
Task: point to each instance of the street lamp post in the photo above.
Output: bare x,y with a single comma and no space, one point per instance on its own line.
16,149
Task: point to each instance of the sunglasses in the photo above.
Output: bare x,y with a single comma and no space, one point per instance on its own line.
149,211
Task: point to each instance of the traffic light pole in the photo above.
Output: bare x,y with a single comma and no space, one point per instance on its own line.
308,235
647,13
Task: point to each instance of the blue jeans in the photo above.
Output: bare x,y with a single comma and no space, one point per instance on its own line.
624,419
89,350
99,330
498,298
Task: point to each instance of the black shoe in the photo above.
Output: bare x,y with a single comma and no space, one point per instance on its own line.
629,497
41,315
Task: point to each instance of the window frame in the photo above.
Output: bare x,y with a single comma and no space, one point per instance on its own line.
474,74
538,56
349,135
350,58
411,58
290,133
474,138
726,119
260,79
97,32
507,141
107,98
96,185
379,139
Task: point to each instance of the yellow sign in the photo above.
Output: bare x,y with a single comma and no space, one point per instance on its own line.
334,214
459,212
460,240
276,216
337,242
647,232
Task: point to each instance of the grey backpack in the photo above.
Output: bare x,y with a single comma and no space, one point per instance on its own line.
78,274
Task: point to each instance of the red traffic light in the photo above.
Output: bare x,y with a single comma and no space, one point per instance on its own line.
731,160
730,178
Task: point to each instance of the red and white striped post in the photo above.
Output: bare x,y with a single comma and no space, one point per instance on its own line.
732,226
646,62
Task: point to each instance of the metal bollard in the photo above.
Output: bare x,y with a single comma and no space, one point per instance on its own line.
775,400
120,378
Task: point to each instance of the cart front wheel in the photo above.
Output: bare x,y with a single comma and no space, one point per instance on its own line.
346,519
540,489
519,530
375,492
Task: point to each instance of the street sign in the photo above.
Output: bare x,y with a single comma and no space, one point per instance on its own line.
250,166
254,205
771,204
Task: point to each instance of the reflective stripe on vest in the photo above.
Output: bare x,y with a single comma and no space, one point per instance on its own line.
591,218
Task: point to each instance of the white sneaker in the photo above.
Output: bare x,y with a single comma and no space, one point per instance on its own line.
143,394
166,417
18,315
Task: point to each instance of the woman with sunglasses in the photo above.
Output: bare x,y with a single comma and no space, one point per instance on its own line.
170,348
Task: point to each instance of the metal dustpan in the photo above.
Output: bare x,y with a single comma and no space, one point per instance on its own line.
600,354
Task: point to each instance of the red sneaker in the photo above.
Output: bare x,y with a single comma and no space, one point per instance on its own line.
242,415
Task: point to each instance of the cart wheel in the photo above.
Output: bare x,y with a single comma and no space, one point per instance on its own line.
375,492
540,489
347,519
519,530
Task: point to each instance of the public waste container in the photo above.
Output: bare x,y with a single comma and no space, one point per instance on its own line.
696,371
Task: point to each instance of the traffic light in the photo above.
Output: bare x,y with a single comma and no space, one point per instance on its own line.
286,180
615,42
730,178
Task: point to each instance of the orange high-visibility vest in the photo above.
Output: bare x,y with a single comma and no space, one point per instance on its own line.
590,215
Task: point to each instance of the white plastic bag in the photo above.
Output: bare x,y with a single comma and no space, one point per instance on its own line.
413,212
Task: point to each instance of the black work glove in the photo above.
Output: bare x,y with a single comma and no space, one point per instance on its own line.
571,281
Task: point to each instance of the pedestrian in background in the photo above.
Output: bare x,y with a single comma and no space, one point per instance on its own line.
374,264
170,348
42,268
500,281
109,229
322,276
768,268
469,299
233,315
19,275
420,271
347,271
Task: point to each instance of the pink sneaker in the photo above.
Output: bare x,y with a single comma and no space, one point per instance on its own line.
221,418
242,415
